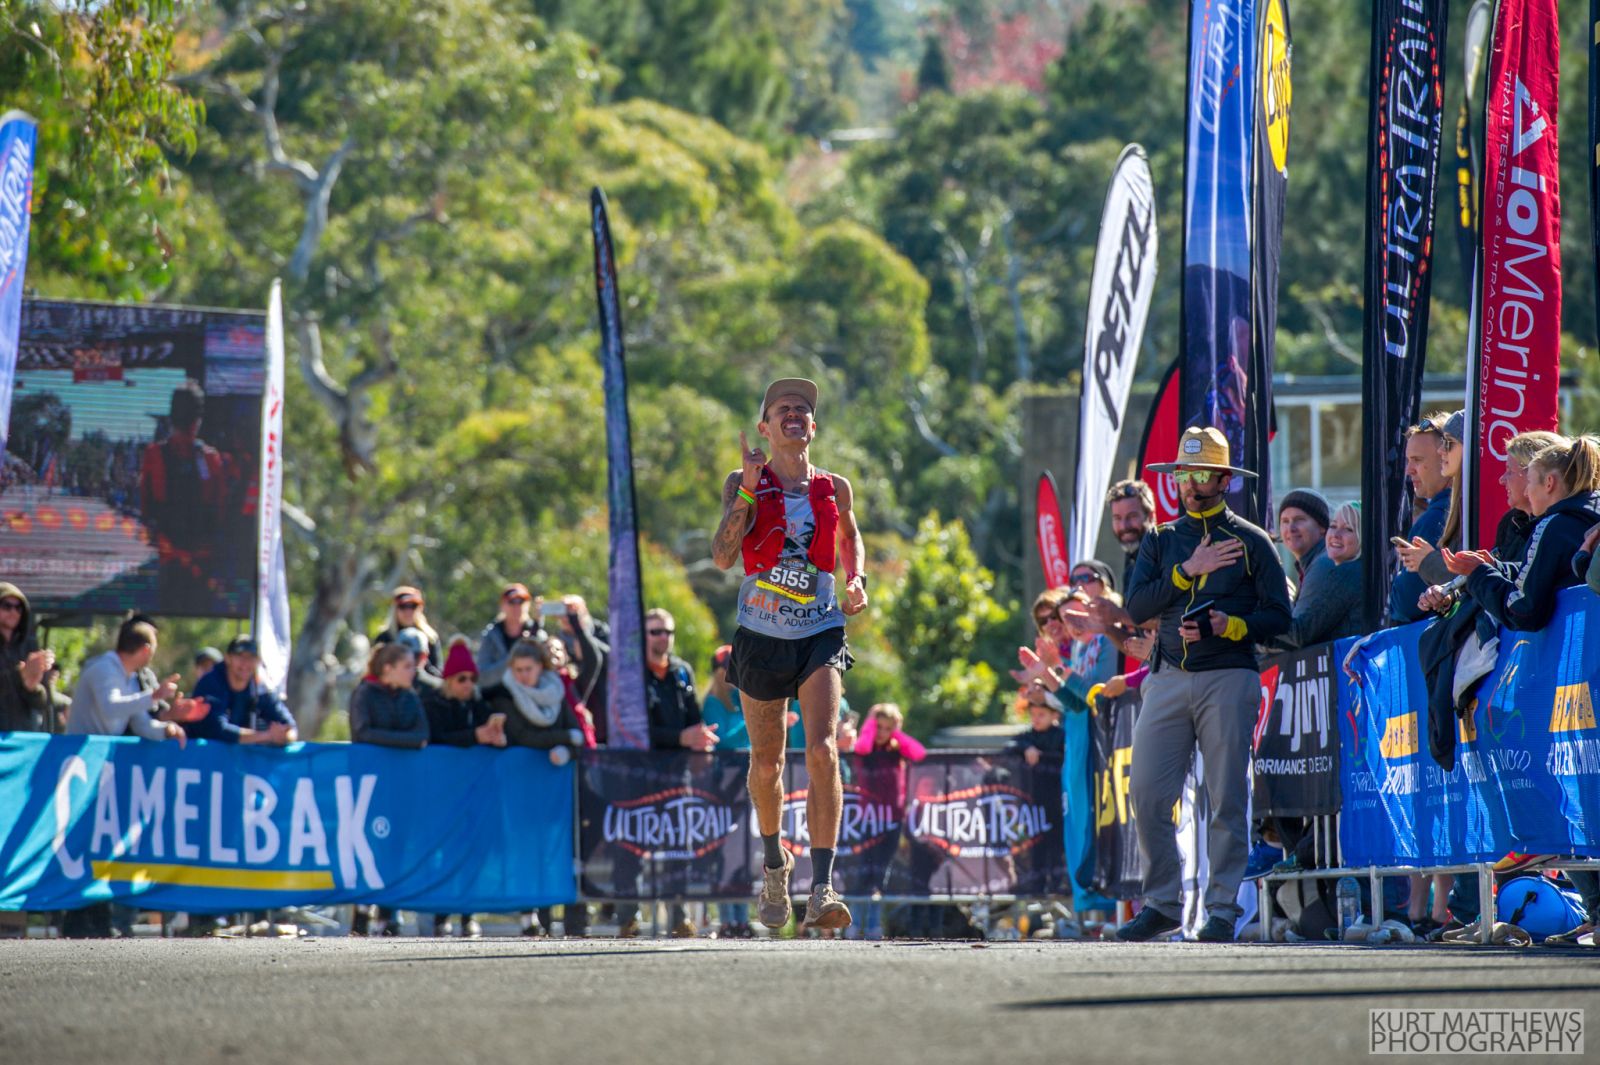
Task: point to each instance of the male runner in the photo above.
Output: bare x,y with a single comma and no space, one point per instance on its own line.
790,521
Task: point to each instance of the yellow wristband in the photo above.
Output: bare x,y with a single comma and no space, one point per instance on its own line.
1234,629
1179,579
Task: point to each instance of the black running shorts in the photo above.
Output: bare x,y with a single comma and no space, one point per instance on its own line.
766,668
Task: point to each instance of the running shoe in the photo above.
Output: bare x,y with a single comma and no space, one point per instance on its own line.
772,905
826,909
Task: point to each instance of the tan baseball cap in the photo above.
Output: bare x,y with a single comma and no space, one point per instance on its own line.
797,386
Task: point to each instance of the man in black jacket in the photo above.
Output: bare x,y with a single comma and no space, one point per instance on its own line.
673,704
1215,582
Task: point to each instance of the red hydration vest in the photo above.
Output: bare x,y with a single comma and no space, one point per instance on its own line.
763,544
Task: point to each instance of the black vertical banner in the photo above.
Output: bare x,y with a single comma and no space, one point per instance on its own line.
1469,142
1274,53
1594,139
1118,872
1403,146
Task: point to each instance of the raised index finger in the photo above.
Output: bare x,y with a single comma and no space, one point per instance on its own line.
744,444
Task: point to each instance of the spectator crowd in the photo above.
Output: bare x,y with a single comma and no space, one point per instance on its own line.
1089,645
537,673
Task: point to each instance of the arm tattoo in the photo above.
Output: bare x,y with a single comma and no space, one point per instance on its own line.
735,521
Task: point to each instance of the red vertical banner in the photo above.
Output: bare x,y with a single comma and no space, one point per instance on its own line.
1160,444
1052,534
1518,357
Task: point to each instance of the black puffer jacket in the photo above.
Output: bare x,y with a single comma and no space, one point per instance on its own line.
1525,601
21,710
1252,589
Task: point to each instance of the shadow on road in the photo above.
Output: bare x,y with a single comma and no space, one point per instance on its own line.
534,955
1278,995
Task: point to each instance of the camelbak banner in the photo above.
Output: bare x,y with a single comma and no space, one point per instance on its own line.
1052,534
1515,375
626,720
218,828
1218,330
1119,303
1403,146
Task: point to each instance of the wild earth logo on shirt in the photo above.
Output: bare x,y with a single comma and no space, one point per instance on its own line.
990,820
212,829
677,823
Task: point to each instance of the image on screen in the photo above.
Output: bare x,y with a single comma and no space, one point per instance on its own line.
130,477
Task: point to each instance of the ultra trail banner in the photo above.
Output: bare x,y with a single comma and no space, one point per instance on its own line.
1119,303
674,824
1513,374
1469,147
1052,533
1527,772
1403,148
1218,210
1160,444
663,824
627,721
218,827
18,137
1272,187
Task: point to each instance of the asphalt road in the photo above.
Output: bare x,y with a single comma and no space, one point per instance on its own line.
766,1003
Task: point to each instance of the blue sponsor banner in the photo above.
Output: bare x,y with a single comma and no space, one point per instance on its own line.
1218,206
214,828
1527,774
18,137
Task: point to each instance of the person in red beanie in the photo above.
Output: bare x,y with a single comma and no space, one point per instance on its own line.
457,717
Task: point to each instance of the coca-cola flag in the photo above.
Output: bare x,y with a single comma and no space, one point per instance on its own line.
1160,444
1514,377
1051,532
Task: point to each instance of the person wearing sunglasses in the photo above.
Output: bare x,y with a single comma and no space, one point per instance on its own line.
24,697
792,524
1217,586
516,620
406,612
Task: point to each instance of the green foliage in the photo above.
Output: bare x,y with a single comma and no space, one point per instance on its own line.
946,625
98,78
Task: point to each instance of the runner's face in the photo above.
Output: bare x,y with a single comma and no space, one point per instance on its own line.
790,421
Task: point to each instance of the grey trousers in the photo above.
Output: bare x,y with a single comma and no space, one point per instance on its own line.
1217,709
